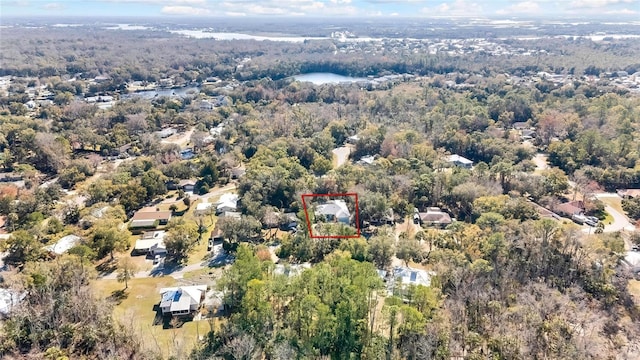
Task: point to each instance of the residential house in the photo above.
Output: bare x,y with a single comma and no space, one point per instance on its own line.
165,133
520,125
102,78
63,245
165,83
290,270
147,220
570,208
432,217
353,139
182,301
151,242
460,161
206,105
628,193
366,160
409,276
334,210
527,134
187,185
216,131
228,202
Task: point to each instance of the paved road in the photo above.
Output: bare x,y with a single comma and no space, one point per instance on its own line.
620,221
342,155
221,258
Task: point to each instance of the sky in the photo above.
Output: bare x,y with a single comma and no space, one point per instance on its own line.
320,8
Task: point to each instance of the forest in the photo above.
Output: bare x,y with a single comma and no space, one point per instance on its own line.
506,279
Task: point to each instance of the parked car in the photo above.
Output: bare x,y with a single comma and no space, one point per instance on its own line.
156,259
635,248
591,222
593,218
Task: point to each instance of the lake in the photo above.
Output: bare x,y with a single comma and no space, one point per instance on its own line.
150,94
327,78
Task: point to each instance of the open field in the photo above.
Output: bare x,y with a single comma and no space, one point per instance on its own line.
614,202
136,312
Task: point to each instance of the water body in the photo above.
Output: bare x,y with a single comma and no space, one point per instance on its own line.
327,78
150,94
202,34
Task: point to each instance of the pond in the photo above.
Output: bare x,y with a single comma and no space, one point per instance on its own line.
327,78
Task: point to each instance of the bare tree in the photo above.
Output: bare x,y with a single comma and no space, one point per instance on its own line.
243,347
126,271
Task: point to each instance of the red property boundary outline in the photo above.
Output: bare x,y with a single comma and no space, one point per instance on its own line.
306,213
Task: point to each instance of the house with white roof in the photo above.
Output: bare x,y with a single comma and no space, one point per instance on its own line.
183,300
405,277
228,202
63,245
151,242
460,161
334,210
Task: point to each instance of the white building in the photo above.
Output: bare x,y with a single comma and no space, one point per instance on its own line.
334,210
460,161
184,300
151,242
228,202
63,245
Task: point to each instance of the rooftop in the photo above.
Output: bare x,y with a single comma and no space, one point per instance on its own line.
459,159
151,215
64,244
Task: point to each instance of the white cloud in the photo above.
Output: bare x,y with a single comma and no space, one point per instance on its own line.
458,8
622,12
54,6
184,10
161,2
291,7
598,3
525,7
16,3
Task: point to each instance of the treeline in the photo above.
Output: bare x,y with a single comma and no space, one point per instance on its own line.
512,290
46,52
60,317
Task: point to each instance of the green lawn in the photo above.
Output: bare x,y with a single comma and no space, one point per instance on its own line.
608,219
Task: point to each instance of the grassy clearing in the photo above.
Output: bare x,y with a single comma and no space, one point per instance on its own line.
136,312
614,202
608,219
